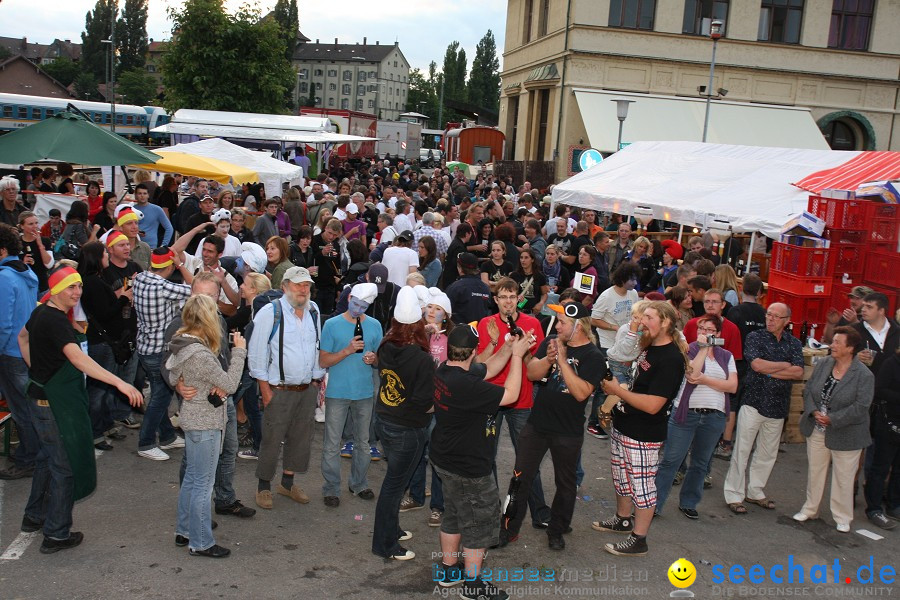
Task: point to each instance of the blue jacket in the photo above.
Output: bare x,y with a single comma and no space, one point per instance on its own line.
154,218
18,298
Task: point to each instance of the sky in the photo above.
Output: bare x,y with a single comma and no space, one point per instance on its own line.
423,28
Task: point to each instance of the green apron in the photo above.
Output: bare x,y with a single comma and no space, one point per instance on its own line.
67,394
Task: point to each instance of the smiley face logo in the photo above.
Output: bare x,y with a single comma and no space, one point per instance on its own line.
682,573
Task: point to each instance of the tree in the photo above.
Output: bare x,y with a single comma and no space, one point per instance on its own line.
422,96
484,81
5,53
210,46
63,70
287,17
86,86
455,72
137,86
311,99
97,27
131,36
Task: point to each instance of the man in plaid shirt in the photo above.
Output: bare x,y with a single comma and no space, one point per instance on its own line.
157,301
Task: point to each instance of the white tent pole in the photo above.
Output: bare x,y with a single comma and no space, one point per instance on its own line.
680,231
750,250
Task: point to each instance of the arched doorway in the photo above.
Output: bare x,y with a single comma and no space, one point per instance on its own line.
847,130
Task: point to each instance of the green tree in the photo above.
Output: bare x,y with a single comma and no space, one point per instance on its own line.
288,19
97,27
63,70
131,36
454,72
484,81
311,99
86,87
422,96
210,46
137,86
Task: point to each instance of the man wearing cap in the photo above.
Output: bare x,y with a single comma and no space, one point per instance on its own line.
400,259
154,218
350,359
573,367
65,469
382,308
156,302
354,228
207,207
493,333
283,355
469,295
127,222
462,443
849,316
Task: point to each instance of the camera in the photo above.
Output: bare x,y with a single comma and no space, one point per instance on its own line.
215,400
712,340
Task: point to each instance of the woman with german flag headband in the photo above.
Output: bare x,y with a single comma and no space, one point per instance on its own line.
65,470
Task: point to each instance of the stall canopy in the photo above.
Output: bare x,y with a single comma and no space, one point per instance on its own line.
256,126
670,118
868,166
200,166
272,172
747,188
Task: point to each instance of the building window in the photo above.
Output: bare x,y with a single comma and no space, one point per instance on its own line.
345,89
529,15
632,14
7,112
780,21
395,63
151,68
332,72
345,103
851,23
361,76
840,136
23,112
543,17
304,87
303,74
372,88
514,111
543,119
331,102
332,87
371,104
318,100
359,105
698,14
360,90
318,72
404,93
348,75
318,86
372,74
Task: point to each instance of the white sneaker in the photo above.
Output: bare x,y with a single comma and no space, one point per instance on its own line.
406,535
248,454
843,527
801,517
320,415
178,443
153,454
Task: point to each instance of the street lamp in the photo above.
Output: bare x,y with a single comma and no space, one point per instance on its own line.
715,32
621,114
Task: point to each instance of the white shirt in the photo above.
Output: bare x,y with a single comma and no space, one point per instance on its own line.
550,226
403,223
615,310
194,264
232,248
704,396
880,336
398,260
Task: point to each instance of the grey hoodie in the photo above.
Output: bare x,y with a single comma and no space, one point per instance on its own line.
198,367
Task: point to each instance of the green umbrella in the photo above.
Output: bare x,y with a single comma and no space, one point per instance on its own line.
69,137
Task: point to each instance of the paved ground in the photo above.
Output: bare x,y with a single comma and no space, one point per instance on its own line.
314,552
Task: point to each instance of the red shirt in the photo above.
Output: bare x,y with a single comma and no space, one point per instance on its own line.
528,324
730,333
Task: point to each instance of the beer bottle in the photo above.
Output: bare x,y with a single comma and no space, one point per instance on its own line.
358,332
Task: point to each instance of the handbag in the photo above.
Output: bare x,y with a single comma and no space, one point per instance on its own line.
122,348
892,427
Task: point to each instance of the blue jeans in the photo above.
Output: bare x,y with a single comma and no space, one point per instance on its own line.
120,409
101,396
248,390
336,411
699,434
622,373
224,485
156,415
403,447
194,513
516,418
52,485
13,379
417,483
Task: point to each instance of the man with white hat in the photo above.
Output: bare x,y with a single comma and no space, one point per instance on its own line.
349,342
283,355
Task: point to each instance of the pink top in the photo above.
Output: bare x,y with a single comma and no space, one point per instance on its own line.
439,348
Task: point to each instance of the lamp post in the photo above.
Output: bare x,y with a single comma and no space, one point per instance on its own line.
715,32
621,114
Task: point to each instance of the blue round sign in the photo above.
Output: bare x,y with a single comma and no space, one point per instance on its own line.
589,158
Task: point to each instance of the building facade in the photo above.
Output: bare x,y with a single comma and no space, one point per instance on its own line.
370,78
839,58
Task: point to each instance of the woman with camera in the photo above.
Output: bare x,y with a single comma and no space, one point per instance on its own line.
194,362
835,421
699,417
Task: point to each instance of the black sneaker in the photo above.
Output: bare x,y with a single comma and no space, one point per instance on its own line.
449,576
597,432
690,513
181,541
29,525
479,590
630,546
879,518
50,545
236,509
615,524
556,542
214,551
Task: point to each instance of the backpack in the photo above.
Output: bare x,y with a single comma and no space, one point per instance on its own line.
65,247
273,297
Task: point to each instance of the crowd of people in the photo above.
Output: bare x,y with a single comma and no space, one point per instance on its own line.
418,313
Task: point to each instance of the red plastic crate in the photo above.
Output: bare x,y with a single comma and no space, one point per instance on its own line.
801,286
885,230
882,269
840,293
839,214
812,309
849,259
846,236
802,261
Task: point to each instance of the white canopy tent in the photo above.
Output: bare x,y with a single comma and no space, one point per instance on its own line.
701,185
272,172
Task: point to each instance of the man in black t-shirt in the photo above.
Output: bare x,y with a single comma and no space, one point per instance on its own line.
573,367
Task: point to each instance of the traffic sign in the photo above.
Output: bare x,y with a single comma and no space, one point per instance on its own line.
589,158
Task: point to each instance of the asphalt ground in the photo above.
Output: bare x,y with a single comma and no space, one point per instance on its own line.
311,551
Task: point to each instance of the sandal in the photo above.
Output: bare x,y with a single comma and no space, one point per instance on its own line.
764,502
737,508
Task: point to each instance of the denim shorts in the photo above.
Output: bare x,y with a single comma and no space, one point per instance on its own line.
471,509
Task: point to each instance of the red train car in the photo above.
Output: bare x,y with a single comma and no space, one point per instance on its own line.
473,144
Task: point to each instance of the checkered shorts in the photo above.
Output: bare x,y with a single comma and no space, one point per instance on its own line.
634,465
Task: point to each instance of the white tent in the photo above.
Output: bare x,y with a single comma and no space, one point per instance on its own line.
695,184
272,172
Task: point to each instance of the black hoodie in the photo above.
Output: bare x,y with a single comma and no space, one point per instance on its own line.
406,391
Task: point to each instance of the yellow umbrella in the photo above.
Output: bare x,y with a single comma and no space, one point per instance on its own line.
200,166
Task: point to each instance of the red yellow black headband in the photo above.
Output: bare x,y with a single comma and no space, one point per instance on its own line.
114,238
63,278
161,261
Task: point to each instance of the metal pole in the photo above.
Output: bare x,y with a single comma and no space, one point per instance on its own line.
112,63
619,142
440,124
680,231
750,251
709,88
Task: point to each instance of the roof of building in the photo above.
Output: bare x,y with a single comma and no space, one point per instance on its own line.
38,70
31,50
367,52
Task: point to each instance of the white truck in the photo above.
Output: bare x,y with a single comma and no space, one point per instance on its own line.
399,139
